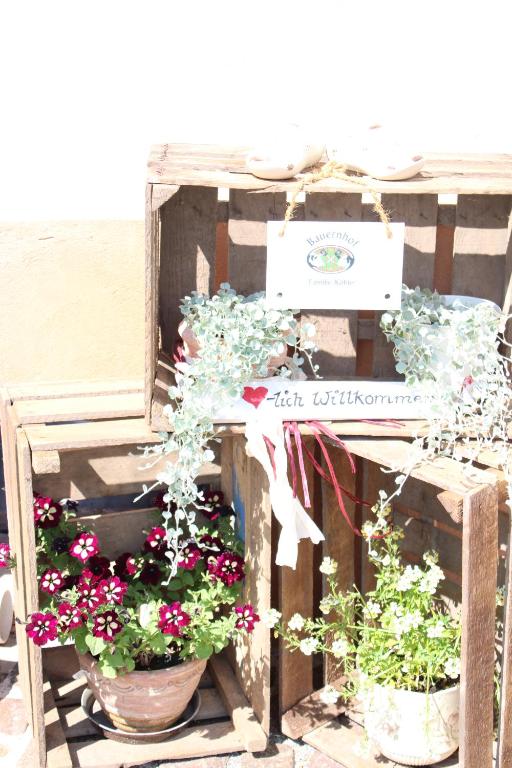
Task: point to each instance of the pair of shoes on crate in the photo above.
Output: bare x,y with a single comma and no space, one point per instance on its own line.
371,151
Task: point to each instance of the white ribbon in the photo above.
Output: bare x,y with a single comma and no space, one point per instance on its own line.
295,522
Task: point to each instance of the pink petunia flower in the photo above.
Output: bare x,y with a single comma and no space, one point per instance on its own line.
247,618
156,543
69,617
5,555
47,512
51,581
173,619
107,625
189,557
42,628
125,565
113,589
228,567
84,546
91,595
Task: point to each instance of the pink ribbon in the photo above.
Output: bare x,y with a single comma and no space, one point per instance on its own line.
271,451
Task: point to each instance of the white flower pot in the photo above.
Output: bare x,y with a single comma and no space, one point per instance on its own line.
413,728
6,605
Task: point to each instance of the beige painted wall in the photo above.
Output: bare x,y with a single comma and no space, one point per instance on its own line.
71,301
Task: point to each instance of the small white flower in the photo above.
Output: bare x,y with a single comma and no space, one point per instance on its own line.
372,609
325,605
329,695
296,622
329,566
437,630
308,645
452,668
270,618
340,648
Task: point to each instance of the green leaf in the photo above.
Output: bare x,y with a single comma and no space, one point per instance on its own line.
107,670
204,650
95,644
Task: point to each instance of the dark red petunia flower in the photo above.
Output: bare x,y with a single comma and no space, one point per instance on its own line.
228,567
189,557
47,512
151,574
172,619
107,625
214,498
161,504
211,546
84,546
125,565
5,555
70,582
51,581
69,617
156,543
42,628
99,566
91,595
247,618
113,589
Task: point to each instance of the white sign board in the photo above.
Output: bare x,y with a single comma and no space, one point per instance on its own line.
324,401
334,265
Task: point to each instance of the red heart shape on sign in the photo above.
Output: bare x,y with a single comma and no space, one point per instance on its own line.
254,396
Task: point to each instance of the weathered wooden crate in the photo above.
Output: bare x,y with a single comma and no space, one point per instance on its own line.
206,223
467,522
86,448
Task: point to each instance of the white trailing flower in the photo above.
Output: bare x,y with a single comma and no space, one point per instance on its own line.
372,609
410,576
270,618
329,695
328,566
436,630
309,645
340,648
452,668
296,622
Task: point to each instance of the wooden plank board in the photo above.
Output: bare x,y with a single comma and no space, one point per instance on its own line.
336,334
296,595
252,652
44,411
66,437
187,254
59,390
58,755
151,266
199,741
505,729
224,167
242,715
247,229
419,212
480,542
309,714
480,245
398,430
123,531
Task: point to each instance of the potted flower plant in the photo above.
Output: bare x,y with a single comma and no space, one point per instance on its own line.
397,646
142,645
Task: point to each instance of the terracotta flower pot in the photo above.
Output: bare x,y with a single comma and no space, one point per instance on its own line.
147,700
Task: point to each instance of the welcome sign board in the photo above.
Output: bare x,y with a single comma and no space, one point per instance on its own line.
334,265
324,401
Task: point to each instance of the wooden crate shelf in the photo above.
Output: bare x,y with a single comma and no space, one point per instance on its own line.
224,724
206,224
96,459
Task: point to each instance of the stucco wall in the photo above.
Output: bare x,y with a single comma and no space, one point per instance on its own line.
71,301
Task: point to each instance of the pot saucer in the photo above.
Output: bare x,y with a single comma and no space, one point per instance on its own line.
104,725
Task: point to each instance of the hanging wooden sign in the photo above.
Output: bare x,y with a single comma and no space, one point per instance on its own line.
334,265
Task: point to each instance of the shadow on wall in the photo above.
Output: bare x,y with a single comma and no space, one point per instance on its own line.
3,507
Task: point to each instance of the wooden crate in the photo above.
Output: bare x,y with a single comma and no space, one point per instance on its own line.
468,522
206,223
86,448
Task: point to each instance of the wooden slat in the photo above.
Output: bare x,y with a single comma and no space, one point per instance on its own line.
247,228
419,212
336,335
480,541
58,390
120,532
187,254
443,263
480,245
505,725
224,166
308,714
151,265
296,595
200,741
252,652
26,560
43,411
46,462
352,428
242,715
58,755
66,437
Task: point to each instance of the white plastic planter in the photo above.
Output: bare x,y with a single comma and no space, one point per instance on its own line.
413,728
